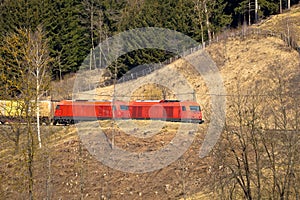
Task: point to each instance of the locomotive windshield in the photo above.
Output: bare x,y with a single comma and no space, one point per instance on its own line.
123,107
57,107
195,108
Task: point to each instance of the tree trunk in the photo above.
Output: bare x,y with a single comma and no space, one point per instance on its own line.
38,107
256,11
199,9
29,151
207,22
202,34
280,6
249,13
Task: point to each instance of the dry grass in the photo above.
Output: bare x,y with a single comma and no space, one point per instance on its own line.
287,23
250,63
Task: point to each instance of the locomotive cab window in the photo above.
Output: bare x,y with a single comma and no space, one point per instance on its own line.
57,107
124,107
183,108
195,108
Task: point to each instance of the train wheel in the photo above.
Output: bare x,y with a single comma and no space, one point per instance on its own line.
54,122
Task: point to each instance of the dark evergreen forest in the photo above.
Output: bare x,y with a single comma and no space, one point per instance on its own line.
74,27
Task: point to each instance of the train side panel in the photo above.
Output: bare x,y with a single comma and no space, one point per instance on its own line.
63,114
70,111
172,112
46,111
191,112
121,110
155,110
145,110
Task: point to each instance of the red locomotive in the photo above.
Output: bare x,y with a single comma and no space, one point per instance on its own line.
70,112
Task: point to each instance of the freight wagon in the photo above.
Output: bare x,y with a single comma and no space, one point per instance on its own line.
14,111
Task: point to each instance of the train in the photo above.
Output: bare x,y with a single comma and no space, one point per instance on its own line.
67,112
71,112
14,111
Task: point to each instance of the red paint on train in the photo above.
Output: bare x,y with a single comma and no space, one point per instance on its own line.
69,112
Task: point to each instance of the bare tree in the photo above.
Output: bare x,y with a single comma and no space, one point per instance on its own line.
256,11
38,59
258,155
207,12
26,58
102,30
199,9
90,8
283,151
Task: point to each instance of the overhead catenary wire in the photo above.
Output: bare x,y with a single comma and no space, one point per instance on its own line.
191,93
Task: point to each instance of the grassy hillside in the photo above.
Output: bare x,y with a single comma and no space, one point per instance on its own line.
64,169
287,23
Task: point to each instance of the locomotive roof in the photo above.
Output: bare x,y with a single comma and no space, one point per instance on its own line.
137,102
160,101
90,102
163,102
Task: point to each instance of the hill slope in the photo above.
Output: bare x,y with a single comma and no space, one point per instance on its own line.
64,169
287,23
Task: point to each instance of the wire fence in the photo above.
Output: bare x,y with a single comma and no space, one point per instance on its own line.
156,66
244,33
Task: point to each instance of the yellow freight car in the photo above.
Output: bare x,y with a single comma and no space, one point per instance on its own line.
14,111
